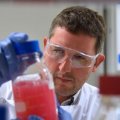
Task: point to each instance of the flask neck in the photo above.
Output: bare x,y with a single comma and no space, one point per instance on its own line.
27,60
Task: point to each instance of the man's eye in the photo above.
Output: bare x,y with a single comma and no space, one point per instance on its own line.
82,59
79,57
58,51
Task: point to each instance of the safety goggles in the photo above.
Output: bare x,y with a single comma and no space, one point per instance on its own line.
77,59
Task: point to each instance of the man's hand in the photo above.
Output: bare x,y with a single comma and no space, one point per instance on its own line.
8,59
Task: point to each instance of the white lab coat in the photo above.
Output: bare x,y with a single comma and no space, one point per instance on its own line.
87,105
84,109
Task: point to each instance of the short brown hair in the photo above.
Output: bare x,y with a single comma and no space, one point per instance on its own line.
77,19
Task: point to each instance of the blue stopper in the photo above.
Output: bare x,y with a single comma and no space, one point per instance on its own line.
27,47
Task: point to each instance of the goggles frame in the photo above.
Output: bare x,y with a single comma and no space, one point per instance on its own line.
61,59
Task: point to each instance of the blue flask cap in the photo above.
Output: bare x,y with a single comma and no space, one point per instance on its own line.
27,47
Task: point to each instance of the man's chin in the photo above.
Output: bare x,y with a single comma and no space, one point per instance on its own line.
61,91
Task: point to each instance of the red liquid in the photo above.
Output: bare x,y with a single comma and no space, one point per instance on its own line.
34,99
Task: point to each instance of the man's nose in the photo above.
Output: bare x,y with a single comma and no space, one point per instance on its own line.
65,65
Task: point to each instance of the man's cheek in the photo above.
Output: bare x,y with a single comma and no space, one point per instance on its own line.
51,66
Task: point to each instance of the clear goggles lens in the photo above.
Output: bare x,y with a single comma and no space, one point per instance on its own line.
78,59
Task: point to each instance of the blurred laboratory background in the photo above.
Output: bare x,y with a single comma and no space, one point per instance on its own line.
34,18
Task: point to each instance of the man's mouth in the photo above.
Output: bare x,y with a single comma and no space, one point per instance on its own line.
65,79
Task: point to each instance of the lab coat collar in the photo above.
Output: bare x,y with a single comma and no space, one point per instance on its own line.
73,100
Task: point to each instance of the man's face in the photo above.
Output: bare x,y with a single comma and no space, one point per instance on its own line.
67,78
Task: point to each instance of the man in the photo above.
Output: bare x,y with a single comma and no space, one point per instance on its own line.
72,53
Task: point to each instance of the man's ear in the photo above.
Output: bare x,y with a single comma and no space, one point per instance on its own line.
45,42
100,58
